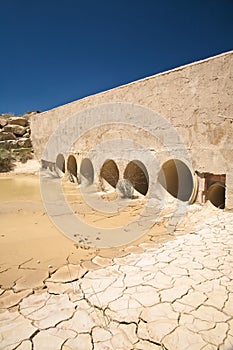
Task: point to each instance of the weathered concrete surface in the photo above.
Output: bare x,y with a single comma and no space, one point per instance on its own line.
177,295
196,99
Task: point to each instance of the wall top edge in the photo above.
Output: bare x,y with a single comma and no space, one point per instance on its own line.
176,69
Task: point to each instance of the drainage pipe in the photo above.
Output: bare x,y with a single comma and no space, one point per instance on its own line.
216,195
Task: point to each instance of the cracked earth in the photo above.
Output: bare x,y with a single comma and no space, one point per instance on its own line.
176,294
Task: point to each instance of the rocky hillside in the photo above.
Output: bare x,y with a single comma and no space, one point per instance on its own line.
15,140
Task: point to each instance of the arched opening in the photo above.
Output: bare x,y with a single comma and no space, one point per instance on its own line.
60,162
110,172
177,179
216,195
72,165
87,171
137,174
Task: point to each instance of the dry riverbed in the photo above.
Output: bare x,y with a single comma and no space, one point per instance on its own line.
163,291
29,241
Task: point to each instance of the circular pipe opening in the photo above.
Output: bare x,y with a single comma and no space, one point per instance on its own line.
110,172
194,194
60,162
137,174
177,179
72,165
216,195
87,171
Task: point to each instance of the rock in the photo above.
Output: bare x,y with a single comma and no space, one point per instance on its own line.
15,129
18,121
25,142
7,136
125,188
72,178
5,144
27,135
9,144
3,122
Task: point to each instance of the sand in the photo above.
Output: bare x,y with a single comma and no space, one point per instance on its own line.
31,247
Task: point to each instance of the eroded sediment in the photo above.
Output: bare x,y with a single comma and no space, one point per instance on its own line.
172,295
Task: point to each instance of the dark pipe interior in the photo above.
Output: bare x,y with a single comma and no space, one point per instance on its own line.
87,170
216,195
137,174
109,172
72,165
60,162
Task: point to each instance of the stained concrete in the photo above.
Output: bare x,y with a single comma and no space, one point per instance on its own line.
195,99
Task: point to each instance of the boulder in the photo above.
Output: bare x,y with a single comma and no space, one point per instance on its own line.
3,122
18,121
24,142
7,136
15,129
8,144
125,188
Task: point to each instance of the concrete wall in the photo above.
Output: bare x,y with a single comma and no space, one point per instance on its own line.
196,99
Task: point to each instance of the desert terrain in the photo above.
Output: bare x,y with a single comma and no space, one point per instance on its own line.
166,290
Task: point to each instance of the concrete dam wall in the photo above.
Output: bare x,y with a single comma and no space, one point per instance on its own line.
174,128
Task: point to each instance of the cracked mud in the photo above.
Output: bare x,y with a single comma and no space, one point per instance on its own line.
176,294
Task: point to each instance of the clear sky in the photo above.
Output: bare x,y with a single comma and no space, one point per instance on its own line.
57,51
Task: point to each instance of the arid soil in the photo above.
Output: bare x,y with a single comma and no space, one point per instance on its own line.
31,243
163,291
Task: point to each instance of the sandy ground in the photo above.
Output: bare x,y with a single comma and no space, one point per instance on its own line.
31,243
163,291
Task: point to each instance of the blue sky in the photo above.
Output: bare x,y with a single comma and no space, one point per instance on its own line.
54,52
